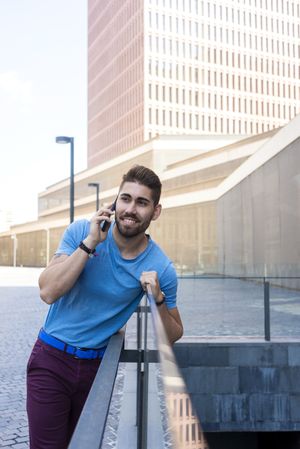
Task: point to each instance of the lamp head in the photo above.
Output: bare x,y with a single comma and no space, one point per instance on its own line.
63,139
93,184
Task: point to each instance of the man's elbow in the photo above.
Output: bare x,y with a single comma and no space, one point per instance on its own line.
178,335
46,296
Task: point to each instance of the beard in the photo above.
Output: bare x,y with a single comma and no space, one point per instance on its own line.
130,231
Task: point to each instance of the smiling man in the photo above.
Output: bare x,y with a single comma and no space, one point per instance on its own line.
93,284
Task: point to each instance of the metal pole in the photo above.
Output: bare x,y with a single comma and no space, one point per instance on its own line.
15,245
72,180
97,196
139,369
267,309
145,383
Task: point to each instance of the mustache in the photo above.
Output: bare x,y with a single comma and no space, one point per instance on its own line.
133,216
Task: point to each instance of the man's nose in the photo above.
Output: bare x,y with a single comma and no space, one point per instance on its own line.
131,207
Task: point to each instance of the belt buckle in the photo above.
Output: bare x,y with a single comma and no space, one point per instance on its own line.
74,353
86,350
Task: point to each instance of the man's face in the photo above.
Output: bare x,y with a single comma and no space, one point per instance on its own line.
135,209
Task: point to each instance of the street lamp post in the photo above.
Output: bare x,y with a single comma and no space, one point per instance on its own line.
95,184
70,140
15,247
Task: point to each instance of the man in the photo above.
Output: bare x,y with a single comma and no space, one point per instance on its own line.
94,283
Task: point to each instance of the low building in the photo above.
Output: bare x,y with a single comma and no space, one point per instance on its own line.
229,206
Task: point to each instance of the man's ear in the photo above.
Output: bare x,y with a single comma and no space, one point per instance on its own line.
157,212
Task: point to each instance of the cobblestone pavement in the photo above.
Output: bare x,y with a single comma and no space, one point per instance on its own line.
21,315
209,308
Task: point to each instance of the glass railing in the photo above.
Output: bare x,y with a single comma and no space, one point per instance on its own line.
227,306
210,307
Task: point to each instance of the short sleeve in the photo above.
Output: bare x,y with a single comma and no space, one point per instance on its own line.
72,237
168,285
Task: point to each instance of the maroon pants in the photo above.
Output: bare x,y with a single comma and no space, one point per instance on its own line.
57,387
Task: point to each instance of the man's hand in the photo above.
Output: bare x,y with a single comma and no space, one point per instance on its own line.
170,317
151,278
97,236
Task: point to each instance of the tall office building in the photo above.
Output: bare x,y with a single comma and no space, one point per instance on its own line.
207,67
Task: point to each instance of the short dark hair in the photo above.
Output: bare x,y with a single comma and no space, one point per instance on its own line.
146,177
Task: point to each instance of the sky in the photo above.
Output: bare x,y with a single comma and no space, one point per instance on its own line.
43,94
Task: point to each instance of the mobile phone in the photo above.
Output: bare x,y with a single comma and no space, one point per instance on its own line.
104,225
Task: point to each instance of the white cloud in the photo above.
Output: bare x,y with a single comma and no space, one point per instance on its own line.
14,87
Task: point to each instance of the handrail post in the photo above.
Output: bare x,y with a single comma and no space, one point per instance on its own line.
142,381
267,309
145,384
139,368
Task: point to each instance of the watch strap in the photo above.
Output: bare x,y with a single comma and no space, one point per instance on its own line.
162,301
89,251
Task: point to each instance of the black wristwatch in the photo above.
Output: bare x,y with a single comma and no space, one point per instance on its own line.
89,251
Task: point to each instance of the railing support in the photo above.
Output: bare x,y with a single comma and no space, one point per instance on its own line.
142,382
267,310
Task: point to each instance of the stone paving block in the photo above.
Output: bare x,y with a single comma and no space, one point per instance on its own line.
20,446
205,406
295,407
290,379
22,439
7,447
258,355
258,379
208,355
221,408
233,408
212,379
269,407
294,355
10,436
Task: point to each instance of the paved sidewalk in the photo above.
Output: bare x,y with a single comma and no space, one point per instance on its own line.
21,315
209,308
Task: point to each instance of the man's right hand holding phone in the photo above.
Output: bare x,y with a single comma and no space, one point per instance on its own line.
100,223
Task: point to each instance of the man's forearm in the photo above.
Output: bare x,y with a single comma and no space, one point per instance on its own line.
173,326
60,276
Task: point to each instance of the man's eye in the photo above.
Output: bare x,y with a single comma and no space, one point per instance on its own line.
142,203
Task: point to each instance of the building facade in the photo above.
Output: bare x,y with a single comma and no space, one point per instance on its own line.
189,67
228,207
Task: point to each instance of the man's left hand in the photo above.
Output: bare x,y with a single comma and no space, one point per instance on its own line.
150,278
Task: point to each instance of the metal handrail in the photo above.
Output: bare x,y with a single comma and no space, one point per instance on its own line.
182,418
229,276
91,425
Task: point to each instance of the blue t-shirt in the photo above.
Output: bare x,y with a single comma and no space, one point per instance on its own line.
107,291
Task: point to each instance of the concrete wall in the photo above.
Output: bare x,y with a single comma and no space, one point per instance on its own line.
258,220
243,386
